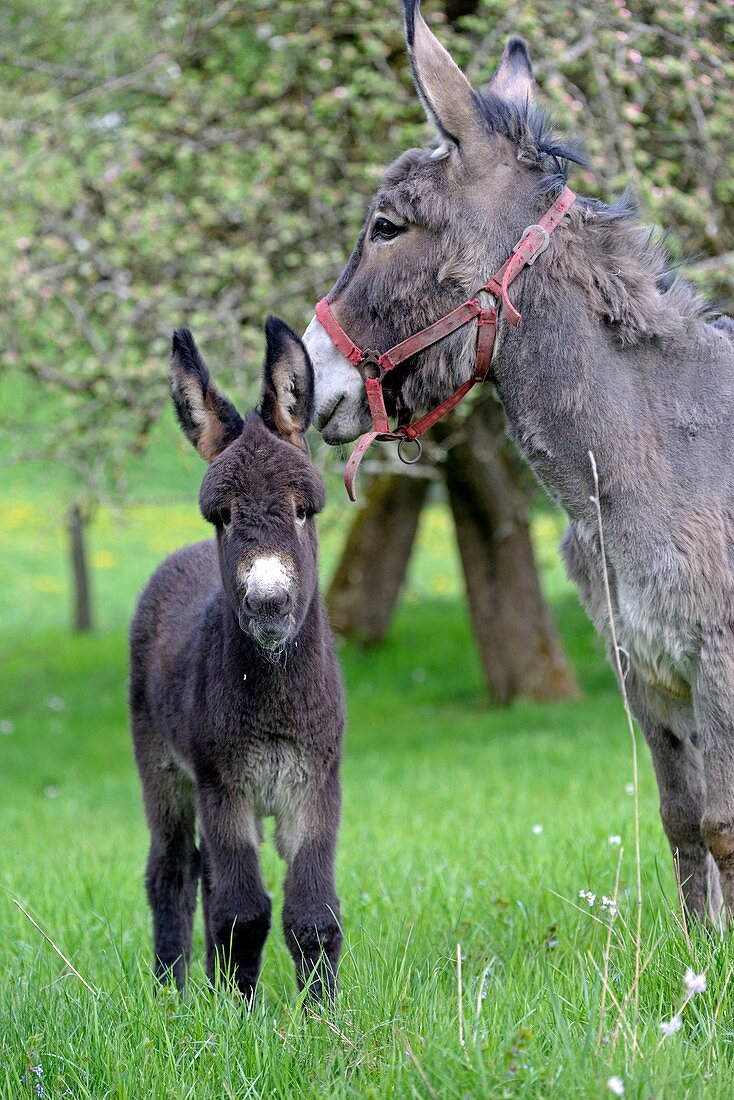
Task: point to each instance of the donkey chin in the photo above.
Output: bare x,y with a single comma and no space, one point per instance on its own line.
272,633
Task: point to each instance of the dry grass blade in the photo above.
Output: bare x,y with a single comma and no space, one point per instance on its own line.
632,1036
419,1069
633,739
682,919
56,948
632,989
460,994
607,956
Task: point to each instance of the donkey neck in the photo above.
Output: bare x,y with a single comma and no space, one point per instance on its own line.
599,359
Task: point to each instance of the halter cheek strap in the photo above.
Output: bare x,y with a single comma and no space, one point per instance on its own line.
374,366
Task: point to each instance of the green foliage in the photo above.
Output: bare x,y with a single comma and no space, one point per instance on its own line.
210,163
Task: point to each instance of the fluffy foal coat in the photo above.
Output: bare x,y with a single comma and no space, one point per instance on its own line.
236,697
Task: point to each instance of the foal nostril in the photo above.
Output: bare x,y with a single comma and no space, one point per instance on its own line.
267,603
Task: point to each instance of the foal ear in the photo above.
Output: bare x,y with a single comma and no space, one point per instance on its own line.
207,418
446,94
513,80
287,404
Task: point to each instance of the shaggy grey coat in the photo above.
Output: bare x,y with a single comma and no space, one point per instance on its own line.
613,355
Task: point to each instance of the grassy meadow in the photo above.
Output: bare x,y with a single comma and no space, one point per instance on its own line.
472,967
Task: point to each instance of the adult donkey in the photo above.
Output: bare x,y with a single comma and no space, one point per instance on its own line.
613,355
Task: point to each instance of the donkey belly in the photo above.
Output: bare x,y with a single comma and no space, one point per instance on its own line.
662,648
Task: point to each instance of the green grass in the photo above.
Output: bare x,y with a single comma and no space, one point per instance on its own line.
437,849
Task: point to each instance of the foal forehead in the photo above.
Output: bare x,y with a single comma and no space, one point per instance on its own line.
262,466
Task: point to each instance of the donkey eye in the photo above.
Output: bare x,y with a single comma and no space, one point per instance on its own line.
223,517
302,514
385,230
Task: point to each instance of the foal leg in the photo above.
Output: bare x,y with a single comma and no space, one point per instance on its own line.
173,862
236,904
679,771
306,836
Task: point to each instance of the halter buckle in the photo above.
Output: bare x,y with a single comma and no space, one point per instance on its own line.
371,366
407,460
526,233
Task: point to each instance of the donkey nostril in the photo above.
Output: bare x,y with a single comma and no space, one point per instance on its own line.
268,603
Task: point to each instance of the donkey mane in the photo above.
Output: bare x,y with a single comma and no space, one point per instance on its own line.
632,285
625,270
531,129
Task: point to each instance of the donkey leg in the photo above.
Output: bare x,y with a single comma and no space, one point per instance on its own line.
237,906
173,868
714,701
679,771
306,837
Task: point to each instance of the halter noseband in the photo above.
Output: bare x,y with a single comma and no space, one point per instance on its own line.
374,366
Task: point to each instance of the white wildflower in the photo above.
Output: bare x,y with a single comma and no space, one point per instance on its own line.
629,788
588,897
669,1027
615,840
111,121
609,905
537,829
616,1085
695,983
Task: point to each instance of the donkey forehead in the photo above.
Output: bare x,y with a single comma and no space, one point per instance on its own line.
429,192
417,189
260,466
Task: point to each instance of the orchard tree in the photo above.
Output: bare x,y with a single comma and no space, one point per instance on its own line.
209,163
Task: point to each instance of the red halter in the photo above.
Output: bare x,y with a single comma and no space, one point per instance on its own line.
374,366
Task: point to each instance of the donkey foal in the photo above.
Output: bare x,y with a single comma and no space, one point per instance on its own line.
236,699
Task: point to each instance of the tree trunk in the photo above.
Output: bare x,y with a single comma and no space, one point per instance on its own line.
80,571
519,645
365,588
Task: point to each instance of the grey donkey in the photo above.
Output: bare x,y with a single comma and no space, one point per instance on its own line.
236,697
614,355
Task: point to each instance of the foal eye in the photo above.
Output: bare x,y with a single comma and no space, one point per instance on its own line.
224,517
385,230
301,514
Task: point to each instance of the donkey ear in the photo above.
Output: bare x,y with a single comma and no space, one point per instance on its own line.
446,94
514,81
207,418
287,404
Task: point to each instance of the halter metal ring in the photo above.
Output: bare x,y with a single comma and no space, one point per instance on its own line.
406,459
526,233
371,366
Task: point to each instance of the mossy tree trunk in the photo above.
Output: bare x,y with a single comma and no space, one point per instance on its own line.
79,570
367,582
519,645
520,649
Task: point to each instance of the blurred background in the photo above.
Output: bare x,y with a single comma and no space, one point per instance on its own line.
208,163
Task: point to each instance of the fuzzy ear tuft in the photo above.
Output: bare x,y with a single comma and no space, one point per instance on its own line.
446,94
513,80
287,403
208,419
